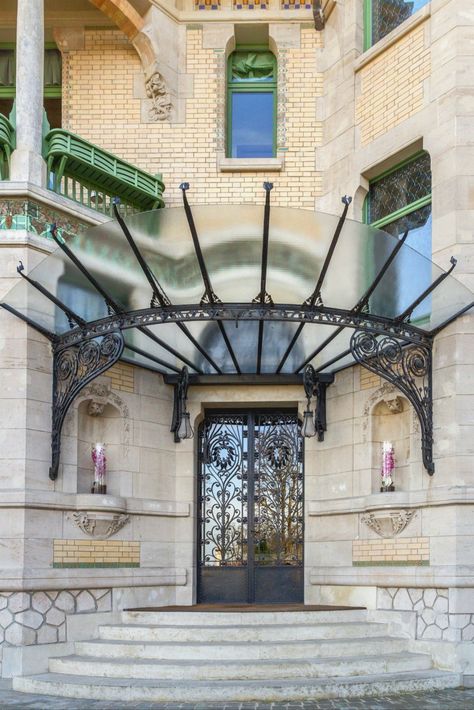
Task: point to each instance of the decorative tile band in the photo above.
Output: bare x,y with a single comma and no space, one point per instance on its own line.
95,554
397,552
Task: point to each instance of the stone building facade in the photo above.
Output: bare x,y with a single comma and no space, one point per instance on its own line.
146,81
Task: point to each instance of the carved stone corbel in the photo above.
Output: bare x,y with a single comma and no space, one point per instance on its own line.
100,525
388,523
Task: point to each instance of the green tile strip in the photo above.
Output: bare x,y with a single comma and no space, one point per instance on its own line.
398,563
93,565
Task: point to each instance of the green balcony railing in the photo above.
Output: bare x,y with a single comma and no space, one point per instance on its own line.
7,145
91,176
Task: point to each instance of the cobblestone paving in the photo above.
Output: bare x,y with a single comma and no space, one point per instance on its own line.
440,700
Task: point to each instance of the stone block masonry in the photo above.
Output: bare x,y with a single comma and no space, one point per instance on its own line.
392,85
435,619
95,553
29,618
398,552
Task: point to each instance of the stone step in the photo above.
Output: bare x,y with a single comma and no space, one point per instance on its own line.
141,690
270,632
242,650
239,670
234,618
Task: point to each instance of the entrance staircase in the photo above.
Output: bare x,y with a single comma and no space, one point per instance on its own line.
224,656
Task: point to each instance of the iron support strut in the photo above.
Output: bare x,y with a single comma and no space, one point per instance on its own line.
74,367
410,369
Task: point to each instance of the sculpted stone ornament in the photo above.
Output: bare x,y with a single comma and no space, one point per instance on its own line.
100,525
157,91
388,523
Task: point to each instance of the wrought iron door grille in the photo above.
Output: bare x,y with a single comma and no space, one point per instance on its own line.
250,490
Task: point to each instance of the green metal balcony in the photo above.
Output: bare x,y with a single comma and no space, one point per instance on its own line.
91,176
7,145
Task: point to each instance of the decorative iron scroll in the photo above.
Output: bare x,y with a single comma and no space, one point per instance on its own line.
278,490
223,497
73,368
409,368
247,312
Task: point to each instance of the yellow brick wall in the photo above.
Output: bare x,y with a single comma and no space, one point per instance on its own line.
403,551
391,86
96,553
98,95
368,380
122,377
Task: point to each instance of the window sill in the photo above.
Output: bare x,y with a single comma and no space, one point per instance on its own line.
394,36
239,165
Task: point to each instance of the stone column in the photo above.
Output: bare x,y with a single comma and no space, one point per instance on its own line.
27,162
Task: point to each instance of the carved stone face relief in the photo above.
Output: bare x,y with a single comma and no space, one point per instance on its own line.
157,91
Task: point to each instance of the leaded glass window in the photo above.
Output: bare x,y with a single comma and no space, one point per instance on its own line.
251,104
382,16
400,201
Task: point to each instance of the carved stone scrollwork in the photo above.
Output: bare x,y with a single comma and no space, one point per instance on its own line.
157,91
73,368
388,524
100,525
409,368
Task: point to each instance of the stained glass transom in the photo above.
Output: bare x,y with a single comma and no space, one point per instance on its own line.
400,188
388,14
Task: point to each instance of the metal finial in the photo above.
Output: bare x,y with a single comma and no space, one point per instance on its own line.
346,199
20,267
453,261
268,186
116,200
184,186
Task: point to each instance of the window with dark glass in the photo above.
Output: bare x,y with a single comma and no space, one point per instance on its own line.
399,200
251,103
382,16
52,82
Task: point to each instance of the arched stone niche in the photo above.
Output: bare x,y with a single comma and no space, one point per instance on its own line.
388,416
99,415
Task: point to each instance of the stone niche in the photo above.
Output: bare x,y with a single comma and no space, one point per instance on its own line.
390,420
100,419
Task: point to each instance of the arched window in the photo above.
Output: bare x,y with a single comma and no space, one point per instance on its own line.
251,103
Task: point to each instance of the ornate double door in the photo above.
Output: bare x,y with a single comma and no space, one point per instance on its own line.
250,514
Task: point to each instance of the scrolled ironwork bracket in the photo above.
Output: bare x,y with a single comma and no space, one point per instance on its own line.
74,366
179,402
410,369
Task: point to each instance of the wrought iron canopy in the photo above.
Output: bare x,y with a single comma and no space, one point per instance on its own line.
237,291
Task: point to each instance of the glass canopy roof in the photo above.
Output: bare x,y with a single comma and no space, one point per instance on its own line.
185,319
